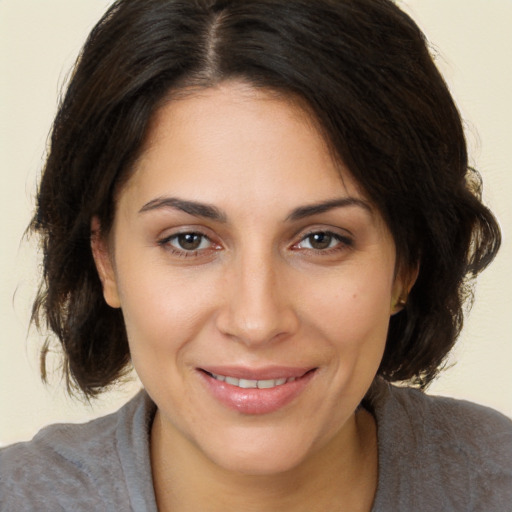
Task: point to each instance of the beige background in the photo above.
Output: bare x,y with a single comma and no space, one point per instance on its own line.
39,40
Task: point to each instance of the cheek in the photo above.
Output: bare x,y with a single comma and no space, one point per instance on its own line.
163,310
353,305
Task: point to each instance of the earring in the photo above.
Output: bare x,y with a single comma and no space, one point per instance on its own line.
399,305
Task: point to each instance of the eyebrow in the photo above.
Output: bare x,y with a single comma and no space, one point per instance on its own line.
190,207
314,209
212,212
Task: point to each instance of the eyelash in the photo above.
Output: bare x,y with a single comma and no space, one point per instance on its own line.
166,244
344,242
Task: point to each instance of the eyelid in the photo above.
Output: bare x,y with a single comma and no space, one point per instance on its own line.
170,232
324,228
164,241
177,236
346,239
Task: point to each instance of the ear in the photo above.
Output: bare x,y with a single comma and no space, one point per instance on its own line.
403,285
103,259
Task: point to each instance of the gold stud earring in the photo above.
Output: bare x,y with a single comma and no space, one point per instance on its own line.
399,304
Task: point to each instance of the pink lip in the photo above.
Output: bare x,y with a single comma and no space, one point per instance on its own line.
256,401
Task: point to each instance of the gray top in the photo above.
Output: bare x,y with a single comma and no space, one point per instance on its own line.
435,454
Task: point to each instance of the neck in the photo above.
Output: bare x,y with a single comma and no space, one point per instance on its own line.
340,476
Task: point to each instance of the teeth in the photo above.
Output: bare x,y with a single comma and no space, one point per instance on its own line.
244,383
266,384
252,384
230,380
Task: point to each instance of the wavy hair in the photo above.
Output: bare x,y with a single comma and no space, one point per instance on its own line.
364,71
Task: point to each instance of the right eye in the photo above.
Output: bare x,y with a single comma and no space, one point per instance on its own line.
190,241
324,242
320,241
187,244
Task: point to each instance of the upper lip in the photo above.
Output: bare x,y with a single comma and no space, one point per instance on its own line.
264,373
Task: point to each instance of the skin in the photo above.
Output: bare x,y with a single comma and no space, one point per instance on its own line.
258,291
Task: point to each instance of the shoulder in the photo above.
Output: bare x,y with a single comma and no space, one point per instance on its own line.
59,453
68,464
455,453
479,430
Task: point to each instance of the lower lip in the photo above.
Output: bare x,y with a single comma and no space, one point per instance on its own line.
256,401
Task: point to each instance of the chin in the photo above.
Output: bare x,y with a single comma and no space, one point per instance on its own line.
261,452
262,464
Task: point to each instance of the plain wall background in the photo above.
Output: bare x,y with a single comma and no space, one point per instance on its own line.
39,41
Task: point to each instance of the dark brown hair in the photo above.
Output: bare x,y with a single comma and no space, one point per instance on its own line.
364,71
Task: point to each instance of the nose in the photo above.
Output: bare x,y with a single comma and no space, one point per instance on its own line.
258,307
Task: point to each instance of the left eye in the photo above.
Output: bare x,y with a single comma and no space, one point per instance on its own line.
320,241
189,241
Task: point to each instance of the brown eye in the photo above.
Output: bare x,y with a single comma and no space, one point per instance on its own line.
323,240
320,241
189,241
186,242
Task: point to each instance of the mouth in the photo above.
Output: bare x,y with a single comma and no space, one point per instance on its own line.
252,383
256,391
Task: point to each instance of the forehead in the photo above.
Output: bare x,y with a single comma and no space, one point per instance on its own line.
237,141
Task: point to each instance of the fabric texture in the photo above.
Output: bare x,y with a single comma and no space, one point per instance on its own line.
435,454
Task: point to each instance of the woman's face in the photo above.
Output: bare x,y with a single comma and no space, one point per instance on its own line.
255,279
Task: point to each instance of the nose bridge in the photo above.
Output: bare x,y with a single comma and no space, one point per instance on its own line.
258,309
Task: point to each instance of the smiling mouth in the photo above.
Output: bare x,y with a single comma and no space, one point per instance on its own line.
251,384
255,383
256,391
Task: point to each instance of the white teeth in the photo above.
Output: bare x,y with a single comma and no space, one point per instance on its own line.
266,384
252,384
244,383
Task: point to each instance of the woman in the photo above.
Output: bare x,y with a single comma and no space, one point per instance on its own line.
266,208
